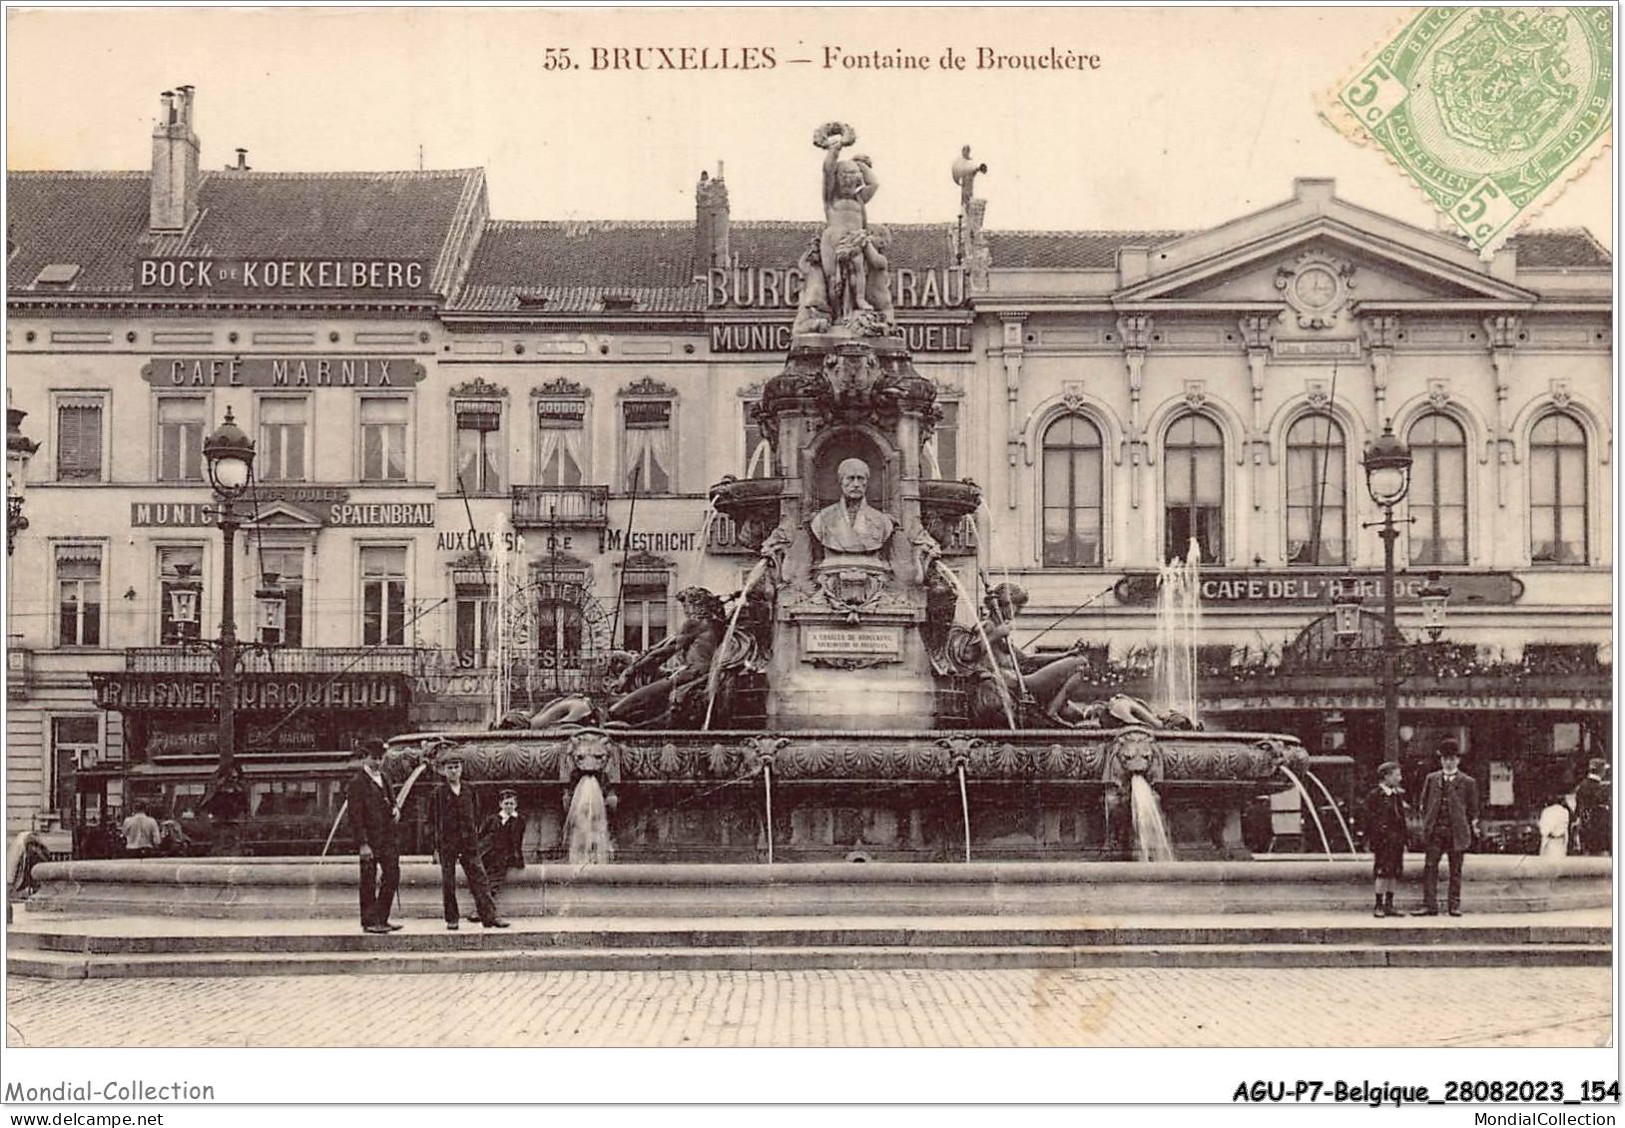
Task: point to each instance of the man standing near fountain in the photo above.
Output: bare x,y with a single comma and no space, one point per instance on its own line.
1594,812
1385,833
373,815
1449,827
459,841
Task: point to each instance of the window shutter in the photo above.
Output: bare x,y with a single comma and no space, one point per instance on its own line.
561,414
79,441
648,415
478,415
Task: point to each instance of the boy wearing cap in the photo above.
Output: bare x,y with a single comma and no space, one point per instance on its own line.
502,841
457,826
373,816
1385,833
1449,826
1593,811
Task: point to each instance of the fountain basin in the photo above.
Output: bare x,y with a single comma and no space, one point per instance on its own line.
299,888
884,795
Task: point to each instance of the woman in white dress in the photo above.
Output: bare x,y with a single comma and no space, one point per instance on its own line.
1554,827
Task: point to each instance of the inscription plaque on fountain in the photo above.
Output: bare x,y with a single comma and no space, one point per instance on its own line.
840,642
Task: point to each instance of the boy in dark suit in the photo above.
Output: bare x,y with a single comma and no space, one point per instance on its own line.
457,825
502,841
373,815
1449,827
1385,833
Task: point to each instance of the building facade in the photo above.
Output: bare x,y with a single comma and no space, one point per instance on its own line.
485,449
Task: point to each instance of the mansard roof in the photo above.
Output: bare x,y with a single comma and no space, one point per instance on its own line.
97,221
573,267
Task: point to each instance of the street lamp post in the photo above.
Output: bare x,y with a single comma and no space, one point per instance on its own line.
19,449
1387,465
229,454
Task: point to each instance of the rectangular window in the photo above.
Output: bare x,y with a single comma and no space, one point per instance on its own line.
289,566
475,623
1557,504
79,439
79,595
383,440
479,445
758,457
644,610
650,454
947,439
561,442
180,570
284,423
383,596
180,438
75,741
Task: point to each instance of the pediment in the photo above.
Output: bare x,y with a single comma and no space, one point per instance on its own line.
1249,262
1361,277
274,515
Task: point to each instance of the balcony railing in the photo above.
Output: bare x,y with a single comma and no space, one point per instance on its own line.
195,659
560,507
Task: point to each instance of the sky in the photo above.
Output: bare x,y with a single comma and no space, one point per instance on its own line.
1193,115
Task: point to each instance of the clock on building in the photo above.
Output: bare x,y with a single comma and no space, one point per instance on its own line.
1317,288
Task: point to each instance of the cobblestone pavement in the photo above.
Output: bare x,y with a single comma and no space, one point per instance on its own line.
1124,1007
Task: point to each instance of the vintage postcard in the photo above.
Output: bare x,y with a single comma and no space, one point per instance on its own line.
577,529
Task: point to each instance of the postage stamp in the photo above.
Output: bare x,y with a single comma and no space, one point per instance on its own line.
1490,111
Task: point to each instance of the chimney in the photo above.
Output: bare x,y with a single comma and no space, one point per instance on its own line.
242,162
711,221
175,173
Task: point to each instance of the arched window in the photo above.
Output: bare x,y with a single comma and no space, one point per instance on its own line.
1316,493
1557,491
1072,493
1438,494
1193,488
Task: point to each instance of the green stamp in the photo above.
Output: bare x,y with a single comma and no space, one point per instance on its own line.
1491,111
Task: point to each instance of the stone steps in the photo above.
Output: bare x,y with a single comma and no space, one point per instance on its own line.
63,965
144,947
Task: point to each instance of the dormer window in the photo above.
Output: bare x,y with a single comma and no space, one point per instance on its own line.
57,274
619,303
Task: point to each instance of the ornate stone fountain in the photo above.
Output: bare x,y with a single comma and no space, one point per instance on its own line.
836,710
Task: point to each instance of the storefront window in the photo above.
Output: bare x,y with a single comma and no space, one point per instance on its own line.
75,742
1557,492
1316,521
1072,493
1193,489
1438,497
